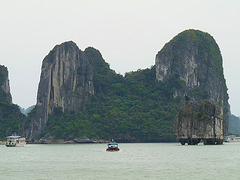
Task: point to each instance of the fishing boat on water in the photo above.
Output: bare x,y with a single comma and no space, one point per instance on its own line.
15,141
112,146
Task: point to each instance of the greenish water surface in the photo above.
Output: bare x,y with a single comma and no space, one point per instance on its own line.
133,161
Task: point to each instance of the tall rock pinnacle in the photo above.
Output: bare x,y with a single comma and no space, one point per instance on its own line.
66,81
196,58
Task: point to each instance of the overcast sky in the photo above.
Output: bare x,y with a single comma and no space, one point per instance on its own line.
128,33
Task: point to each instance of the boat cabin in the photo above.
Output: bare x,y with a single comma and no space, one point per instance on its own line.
112,147
15,141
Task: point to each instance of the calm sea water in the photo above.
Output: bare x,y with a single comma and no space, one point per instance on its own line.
133,161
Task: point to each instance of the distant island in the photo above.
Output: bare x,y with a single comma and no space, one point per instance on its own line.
26,111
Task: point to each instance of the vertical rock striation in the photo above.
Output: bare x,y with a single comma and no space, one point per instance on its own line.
200,122
196,58
66,81
4,83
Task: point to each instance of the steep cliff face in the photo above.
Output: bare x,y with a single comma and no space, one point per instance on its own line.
4,83
10,116
66,81
196,58
66,78
200,122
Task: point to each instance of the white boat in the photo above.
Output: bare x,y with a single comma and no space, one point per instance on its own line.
15,141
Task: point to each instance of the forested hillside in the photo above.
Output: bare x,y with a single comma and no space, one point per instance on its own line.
234,124
131,108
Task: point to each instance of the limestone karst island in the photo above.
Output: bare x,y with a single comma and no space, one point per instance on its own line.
182,97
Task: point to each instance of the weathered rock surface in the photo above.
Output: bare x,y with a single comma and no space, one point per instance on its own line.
200,122
5,84
66,81
196,58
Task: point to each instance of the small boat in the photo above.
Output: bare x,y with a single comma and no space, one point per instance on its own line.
15,141
112,146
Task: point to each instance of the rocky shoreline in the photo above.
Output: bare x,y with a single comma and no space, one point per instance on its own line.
82,140
52,140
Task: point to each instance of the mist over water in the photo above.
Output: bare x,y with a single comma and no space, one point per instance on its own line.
133,161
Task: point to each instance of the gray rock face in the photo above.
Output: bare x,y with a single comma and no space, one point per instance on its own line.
200,122
66,81
5,84
196,58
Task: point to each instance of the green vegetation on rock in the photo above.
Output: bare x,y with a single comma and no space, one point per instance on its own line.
206,46
234,125
137,107
10,117
133,108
